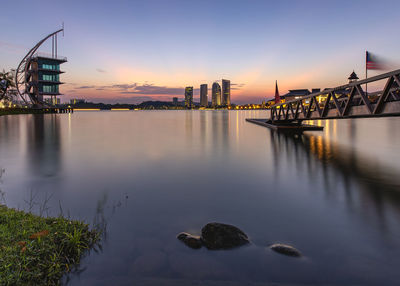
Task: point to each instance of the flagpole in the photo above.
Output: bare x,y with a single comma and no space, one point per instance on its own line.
366,72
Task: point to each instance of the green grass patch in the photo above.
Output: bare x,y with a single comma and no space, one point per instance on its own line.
38,251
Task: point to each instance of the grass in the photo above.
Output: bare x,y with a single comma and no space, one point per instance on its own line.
35,250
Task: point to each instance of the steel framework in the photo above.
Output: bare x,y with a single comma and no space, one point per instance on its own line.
344,101
23,74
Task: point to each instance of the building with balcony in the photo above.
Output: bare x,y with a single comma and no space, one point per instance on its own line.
44,80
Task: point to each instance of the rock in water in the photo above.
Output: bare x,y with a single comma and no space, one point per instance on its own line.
190,240
285,249
181,236
222,236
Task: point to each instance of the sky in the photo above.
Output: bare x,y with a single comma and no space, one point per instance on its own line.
132,51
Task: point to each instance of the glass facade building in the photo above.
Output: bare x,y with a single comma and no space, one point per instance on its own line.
216,94
203,95
45,77
226,92
189,97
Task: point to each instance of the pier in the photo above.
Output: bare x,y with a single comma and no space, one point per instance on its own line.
341,102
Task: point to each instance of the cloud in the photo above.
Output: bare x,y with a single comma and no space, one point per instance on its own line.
85,86
154,89
123,99
101,70
237,86
135,88
122,87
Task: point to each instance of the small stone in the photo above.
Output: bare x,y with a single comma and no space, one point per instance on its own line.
181,236
222,236
285,249
190,240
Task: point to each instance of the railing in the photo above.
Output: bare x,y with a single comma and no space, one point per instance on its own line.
348,100
49,56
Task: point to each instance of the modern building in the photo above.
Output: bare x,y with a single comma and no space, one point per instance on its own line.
77,101
203,95
45,76
226,92
296,94
189,97
216,95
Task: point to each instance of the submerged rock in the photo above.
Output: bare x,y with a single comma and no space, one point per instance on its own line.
222,236
190,240
285,249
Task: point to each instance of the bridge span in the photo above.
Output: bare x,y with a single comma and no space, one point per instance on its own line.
345,101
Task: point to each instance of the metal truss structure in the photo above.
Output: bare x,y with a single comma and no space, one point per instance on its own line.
23,75
346,101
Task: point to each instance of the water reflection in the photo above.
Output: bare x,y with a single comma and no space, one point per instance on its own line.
220,131
44,144
369,189
184,169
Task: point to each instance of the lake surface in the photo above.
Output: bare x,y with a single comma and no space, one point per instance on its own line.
148,175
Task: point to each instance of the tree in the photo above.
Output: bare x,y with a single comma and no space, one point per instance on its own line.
6,81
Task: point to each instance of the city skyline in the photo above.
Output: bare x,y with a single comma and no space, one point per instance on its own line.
116,54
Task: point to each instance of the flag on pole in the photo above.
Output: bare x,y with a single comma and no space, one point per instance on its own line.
372,63
277,97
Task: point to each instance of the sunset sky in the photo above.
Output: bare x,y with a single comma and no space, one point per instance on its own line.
131,51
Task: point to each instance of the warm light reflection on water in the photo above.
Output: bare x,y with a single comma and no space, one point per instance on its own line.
333,194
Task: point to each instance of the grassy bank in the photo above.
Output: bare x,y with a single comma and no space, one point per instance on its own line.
39,251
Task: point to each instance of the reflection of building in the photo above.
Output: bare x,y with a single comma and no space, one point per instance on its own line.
203,95
216,94
189,97
226,92
44,144
45,75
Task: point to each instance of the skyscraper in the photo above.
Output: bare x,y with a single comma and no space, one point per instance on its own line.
203,95
189,97
216,94
226,92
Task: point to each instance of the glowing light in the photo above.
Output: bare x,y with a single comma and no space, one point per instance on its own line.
120,109
86,109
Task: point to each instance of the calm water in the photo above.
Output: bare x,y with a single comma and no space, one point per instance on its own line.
151,174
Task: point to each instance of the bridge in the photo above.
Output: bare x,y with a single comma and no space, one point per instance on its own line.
345,101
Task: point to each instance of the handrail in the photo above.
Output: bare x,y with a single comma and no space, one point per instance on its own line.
341,87
49,56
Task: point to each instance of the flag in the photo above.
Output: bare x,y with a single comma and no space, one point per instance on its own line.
372,63
277,97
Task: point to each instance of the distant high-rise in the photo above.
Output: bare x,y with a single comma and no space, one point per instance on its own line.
216,94
203,95
189,97
175,101
226,92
